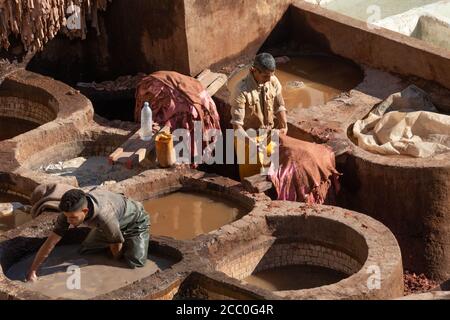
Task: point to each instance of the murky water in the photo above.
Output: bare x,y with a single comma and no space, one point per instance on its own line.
14,219
295,278
11,127
311,80
184,216
99,274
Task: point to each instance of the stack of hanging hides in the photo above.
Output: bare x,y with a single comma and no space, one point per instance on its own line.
38,21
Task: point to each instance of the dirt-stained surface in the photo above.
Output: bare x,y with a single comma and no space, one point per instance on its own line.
98,273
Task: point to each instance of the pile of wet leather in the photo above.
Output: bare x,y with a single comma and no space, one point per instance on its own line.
417,283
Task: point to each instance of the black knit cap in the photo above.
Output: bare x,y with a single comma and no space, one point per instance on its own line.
265,62
73,200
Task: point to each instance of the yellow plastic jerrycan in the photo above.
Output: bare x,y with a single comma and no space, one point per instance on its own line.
165,152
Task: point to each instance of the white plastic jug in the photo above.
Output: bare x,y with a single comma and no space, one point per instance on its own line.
146,122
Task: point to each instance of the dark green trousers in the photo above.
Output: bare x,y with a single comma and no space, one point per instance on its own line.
135,230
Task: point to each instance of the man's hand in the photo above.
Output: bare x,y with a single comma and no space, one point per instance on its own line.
42,254
31,276
116,250
283,131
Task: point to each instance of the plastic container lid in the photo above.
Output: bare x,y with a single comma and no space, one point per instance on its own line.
6,209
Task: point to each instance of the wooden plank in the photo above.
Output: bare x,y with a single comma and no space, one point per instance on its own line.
134,150
212,81
208,78
218,83
201,76
113,156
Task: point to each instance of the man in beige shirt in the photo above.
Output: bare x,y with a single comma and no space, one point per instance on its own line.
257,100
257,103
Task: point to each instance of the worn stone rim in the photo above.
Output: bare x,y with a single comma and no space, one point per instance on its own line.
353,286
190,180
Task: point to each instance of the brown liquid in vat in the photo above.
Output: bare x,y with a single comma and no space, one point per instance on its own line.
184,216
295,278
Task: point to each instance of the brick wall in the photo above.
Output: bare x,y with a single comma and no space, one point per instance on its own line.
20,108
268,256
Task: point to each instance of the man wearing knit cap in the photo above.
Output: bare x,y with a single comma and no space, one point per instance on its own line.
257,103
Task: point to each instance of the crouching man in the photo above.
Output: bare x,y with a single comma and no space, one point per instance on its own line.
117,224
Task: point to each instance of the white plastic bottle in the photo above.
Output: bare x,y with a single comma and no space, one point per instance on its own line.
146,122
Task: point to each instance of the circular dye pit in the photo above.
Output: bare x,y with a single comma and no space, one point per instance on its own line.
89,171
407,192
183,215
98,274
296,264
11,213
84,161
310,80
304,252
410,196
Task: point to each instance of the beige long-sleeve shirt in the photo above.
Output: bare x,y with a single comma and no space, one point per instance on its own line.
253,106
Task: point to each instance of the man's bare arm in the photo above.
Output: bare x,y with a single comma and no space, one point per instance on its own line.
280,109
42,254
282,120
